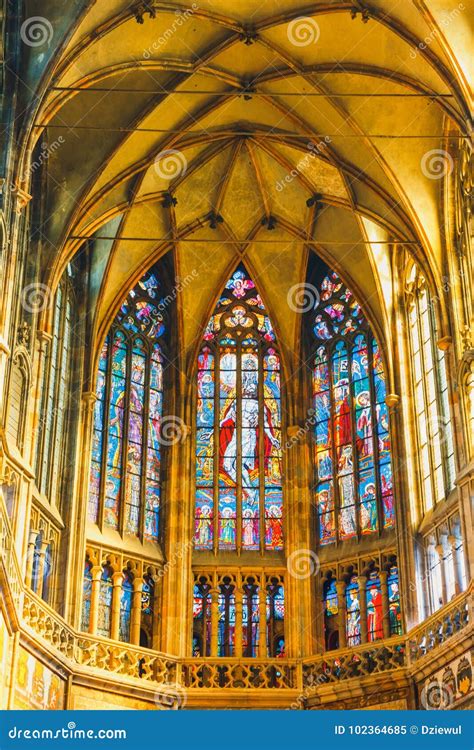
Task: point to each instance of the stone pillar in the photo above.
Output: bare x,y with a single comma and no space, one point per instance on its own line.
262,617
117,580
341,613
385,604
440,550
214,622
96,572
30,556
155,634
40,569
136,614
362,581
457,563
238,622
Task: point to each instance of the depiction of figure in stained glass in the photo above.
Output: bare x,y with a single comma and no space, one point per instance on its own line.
238,446
374,611
352,455
353,613
395,617
125,468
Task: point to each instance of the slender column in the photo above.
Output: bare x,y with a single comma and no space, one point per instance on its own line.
385,604
117,580
40,571
136,614
341,613
362,580
238,622
440,550
262,616
456,564
155,628
214,621
30,557
96,572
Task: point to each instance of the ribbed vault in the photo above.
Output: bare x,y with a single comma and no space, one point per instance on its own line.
207,129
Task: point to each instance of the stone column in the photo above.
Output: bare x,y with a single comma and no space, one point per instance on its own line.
40,569
457,564
440,550
30,556
238,622
262,617
96,572
117,580
155,635
214,622
136,614
362,581
341,613
385,604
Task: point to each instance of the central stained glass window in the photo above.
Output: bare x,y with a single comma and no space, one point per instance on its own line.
239,503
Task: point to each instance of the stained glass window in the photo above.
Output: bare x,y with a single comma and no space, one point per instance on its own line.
374,608
125,478
126,599
250,619
351,432
86,596
431,396
275,607
353,613
239,501
202,619
105,602
226,626
331,609
395,617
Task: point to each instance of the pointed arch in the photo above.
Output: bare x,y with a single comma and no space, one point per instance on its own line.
352,452
239,496
125,475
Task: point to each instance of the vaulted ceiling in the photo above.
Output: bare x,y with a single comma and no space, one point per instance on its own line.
207,128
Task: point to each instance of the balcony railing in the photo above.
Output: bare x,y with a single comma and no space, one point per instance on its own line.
153,670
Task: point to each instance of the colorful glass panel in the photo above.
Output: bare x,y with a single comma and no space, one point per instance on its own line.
374,608
351,431
239,501
86,597
125,475
105,603
126,599
353,634
394,611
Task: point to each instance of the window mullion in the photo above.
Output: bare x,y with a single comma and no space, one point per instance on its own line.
335,484
107,391
145,434
126,417
217,457
239,447
261,451
355,455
